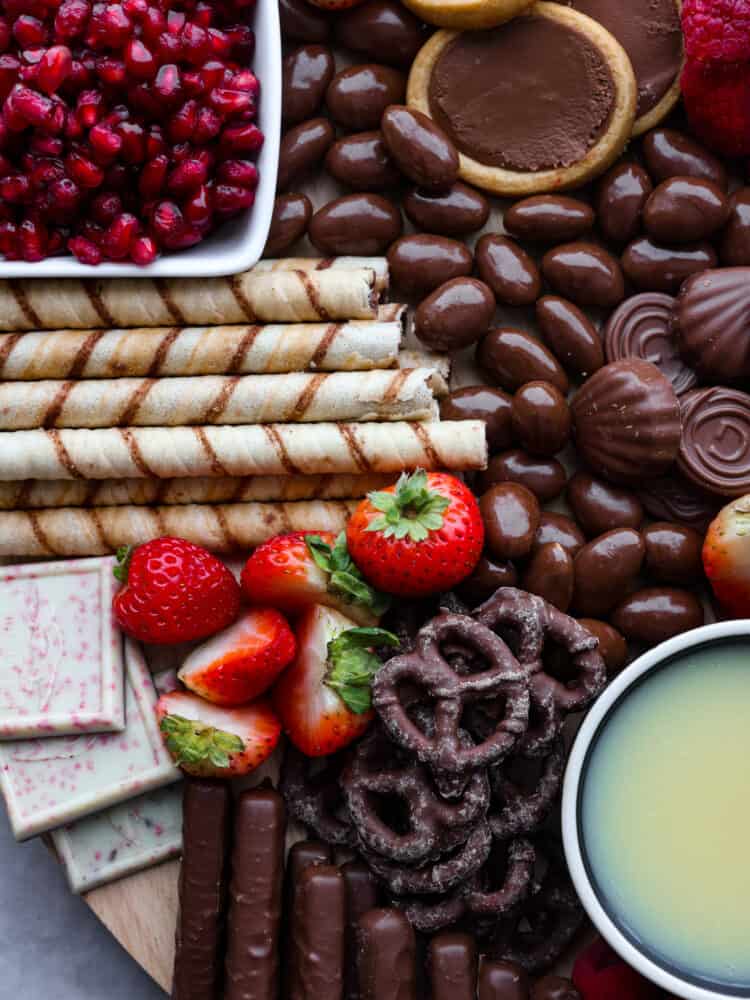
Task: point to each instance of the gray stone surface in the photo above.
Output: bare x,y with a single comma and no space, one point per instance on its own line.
52,947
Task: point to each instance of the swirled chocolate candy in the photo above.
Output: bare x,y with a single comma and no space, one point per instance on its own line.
711,320
675,498
641,328
715,446
626,421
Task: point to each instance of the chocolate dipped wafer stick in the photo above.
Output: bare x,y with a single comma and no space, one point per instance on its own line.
452,961
73,531
269,450
302,855
502,981
255,897
318,926
386,956
203,887
283,296
362,894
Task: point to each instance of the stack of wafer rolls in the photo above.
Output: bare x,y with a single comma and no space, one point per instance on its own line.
223,411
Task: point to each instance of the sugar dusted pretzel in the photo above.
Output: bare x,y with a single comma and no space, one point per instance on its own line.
313,795
517,810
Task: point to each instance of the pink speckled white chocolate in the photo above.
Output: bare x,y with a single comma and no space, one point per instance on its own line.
47,783
61,669
121,840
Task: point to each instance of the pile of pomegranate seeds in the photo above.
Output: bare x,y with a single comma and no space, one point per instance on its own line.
127,128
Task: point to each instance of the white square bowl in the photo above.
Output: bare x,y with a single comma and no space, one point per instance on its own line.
238,243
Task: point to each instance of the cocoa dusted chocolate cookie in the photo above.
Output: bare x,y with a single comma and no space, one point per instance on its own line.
544,102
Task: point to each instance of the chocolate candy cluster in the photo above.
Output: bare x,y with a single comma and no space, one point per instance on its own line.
448,798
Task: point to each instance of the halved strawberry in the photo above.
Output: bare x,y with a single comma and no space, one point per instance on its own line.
243,661
210,741
292,572
324,699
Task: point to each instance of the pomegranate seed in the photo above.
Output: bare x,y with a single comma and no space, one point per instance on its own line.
140,61
5,34
187,237
73,128
186,177
111,71
143,250
28,107
207,126
56,242
109,26
168,85
230,199
153,25
166,221
81,76
242,42
153,176
241,139
143,102
182,124
169,48
203,14
29,31
198,209
117,239
136,9
9,246
192,83
155,142
46,145
84,250
54,68
89,106
196,44
71,18
9,69
175,21
44,172
230,102
65,199
83,171
16,188
213,74
106,207
91,231
133,142
32,237
221,44
245,79
105,143
240,172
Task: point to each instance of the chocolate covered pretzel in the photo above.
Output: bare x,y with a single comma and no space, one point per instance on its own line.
524,790
313,796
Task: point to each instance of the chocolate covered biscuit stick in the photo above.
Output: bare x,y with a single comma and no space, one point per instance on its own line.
302,855
318,925
386,956
362,894
203,886
452,962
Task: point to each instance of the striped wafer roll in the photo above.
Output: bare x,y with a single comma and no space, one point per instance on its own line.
377,264
297,397
75,531
440,363
253,450
201,350
37,494
267,297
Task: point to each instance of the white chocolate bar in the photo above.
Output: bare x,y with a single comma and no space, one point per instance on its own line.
48,783
122,840
61,665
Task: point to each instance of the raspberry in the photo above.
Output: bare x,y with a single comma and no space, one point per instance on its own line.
717,30
717,100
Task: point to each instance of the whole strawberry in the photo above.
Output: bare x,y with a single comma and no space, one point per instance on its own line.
422,536
726,557
173,591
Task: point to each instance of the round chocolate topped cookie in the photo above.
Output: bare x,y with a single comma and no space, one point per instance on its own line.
650,33
542,103
715,446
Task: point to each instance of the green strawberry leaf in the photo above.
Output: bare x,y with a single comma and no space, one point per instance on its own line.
352,664
344,578
413,511
192,742
123,555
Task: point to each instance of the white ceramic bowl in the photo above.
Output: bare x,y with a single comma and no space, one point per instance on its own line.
609,930
238,243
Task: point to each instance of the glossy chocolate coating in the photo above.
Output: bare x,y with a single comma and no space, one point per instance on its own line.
303,22
513,357
605,569
541,418
655,614
735,242
362,162
711,321
600,507
545,477
612,644
547,218
357,224
502,981
663,269
204,875
554,527
626,421
673,552
452,966
420,264
572,336
307,71
508,270
620,199
642,327
685,209
291,217
550,575
457,212
669,153
715,445
488,576
255,897
302,855
302,149
362,894
386,956
455,315
585,273
357,97
511,518
318,934
481,402
383,30
423,152
674,498
554,988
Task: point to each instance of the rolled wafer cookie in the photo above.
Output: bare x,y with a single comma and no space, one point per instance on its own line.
253,450
267,297
202,350
75,531
36,494
441,363
377,264
297,397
